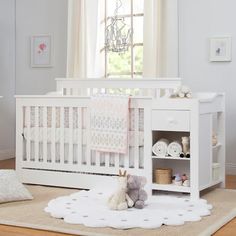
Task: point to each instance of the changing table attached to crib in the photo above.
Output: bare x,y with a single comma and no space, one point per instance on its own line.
53,138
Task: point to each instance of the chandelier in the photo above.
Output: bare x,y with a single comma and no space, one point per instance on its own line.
118,33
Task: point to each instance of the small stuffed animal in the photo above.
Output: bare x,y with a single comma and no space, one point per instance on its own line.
177,180
120,200
135,191
214,140
182,92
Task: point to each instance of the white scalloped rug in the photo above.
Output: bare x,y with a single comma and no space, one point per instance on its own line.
30,214
89,208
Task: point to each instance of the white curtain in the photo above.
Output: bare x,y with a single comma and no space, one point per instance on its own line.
160,38
83,50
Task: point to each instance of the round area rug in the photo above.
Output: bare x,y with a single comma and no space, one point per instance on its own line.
90,209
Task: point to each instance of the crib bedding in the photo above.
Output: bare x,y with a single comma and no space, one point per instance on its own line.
75,118
75,132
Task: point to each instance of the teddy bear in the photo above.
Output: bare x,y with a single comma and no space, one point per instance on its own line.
135,190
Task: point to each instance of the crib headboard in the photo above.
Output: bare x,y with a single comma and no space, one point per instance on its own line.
155,87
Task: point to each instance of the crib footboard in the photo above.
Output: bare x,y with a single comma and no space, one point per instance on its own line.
53,143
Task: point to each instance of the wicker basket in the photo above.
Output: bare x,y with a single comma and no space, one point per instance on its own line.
163,176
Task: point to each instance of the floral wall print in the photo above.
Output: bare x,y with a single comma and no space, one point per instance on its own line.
41,51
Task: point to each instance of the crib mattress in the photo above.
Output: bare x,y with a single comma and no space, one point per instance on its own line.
75,132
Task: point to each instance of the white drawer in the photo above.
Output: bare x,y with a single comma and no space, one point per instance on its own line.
170,120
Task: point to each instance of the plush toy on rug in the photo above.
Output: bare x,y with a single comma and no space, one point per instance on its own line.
136,192
120,200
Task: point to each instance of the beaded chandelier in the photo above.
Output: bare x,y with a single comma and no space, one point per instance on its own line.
118,33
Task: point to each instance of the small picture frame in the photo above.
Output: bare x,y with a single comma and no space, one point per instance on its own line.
41,51
220,49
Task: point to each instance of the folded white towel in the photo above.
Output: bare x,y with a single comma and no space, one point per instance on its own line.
174,149
160,147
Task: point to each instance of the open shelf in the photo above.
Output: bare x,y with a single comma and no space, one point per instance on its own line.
171,158
170,187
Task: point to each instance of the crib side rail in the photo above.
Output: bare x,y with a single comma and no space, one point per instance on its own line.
155,87
65,120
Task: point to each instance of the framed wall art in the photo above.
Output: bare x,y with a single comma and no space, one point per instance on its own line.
41,51
220,48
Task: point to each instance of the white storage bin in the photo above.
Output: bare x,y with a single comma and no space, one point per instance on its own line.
215,171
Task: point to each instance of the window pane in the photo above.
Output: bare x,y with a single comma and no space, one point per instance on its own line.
119,63
138,6
124,9
138,29
138,58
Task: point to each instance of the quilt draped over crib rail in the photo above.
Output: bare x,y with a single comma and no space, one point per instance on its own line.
109,123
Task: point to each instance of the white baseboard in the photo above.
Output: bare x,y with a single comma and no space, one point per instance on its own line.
7,154
230,168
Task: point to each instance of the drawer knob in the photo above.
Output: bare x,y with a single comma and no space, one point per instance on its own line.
172,121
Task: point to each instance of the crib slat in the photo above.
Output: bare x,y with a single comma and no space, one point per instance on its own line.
107,159
53,143
62,126
45,135
28,128
158,93
36,143
88,151
116,160
79,137
97,158
70,157
136,138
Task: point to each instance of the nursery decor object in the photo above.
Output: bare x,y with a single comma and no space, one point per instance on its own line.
160,147
135,191
221,49
120,200
186,146
89,208
109,123
182,92
214,140
177,180
41,51
11,189
118,33
163,176
174,149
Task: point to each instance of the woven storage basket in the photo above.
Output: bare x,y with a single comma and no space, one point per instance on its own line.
163,176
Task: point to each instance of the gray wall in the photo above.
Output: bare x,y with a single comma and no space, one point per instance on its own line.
7,78
32,17
199,20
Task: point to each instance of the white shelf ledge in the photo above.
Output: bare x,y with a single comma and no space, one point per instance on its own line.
171,158
170,187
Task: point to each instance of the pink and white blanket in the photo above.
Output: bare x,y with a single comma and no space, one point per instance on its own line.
109,123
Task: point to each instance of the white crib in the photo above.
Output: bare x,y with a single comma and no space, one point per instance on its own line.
53,138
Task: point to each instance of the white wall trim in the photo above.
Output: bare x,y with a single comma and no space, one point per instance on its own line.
230,168
7,154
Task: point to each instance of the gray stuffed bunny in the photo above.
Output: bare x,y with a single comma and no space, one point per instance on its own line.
135,191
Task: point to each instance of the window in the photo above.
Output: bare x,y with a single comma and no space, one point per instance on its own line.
130,63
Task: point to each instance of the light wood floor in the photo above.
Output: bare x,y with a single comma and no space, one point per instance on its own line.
228,230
